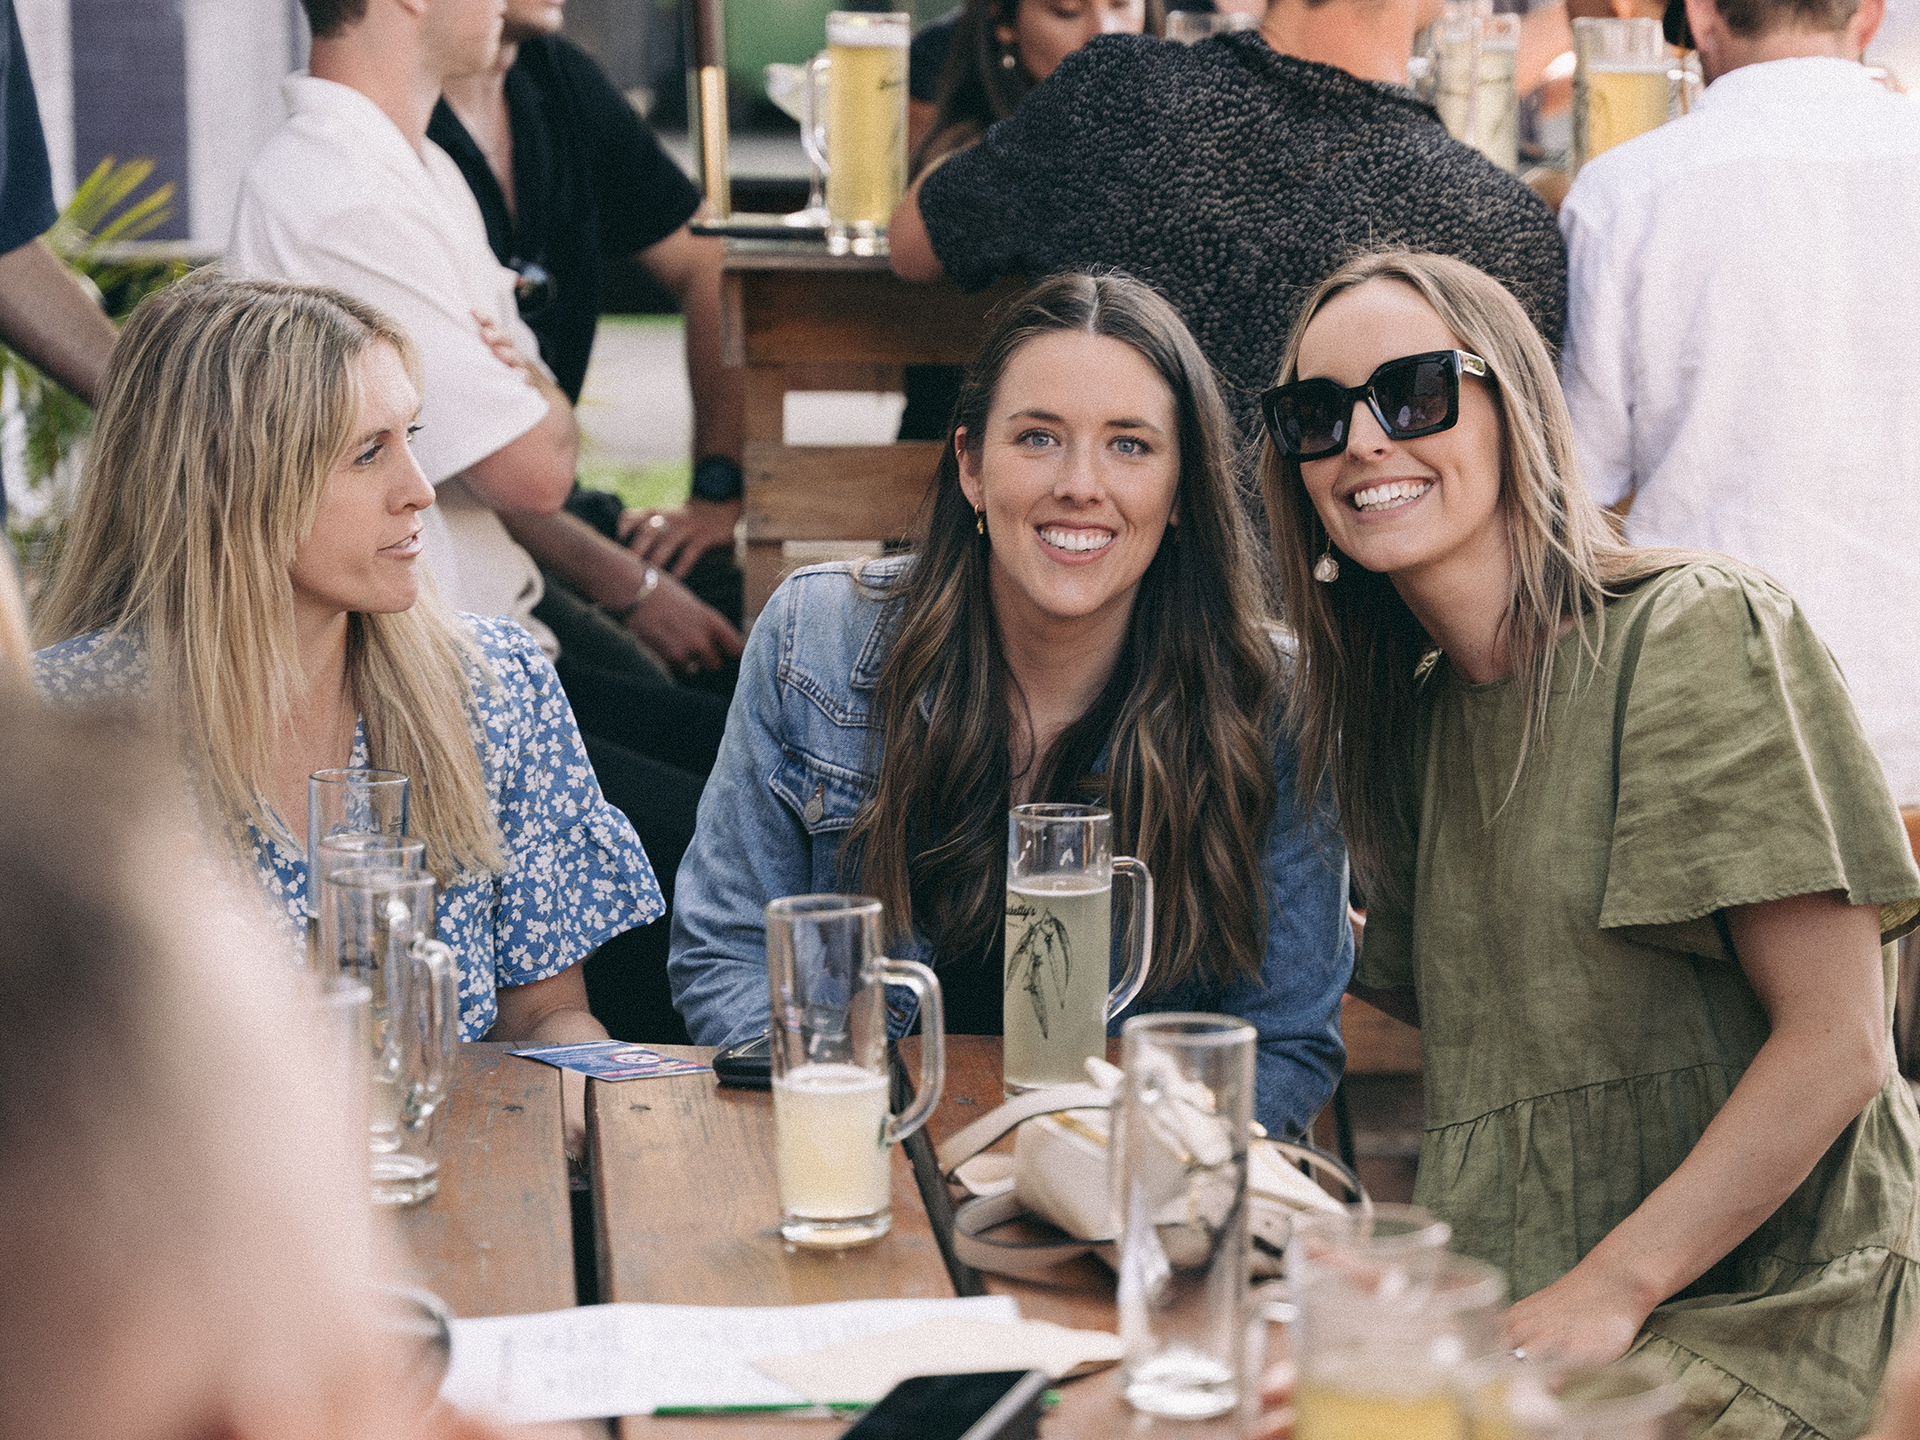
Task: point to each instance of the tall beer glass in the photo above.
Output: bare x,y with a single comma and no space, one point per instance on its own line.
1474,54
866,160
826,981
1056,1004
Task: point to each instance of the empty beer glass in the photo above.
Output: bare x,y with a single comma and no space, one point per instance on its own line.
378,926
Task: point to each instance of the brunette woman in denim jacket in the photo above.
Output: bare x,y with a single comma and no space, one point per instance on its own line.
1081,621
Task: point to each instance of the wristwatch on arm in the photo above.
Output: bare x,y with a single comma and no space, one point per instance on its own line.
718,479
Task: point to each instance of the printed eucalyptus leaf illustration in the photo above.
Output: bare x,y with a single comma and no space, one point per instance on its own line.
1041,960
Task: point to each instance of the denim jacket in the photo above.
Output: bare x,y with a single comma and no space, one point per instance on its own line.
798,761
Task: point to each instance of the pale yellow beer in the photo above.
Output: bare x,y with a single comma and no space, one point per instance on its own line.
1057,959
1620,104
1373,1407
830,1121
866,121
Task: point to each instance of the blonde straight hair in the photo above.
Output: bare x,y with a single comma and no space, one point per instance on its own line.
1363,655
226,404
15,647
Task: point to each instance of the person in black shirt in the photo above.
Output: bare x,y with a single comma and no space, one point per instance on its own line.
1233,175
566,173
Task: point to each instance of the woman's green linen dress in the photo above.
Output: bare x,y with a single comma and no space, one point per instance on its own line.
1583,1014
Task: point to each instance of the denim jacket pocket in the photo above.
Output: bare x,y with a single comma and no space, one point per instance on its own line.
825,797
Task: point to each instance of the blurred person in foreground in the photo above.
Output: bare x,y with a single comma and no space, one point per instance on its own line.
1630,863
245,550
1232,176
570,180
1740,306
188,1247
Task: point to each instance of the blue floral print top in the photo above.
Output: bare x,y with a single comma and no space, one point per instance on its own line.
576,874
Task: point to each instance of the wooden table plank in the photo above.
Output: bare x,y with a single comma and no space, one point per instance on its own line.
687,1211
498,1237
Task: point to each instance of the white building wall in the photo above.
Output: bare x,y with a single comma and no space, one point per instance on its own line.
237,53
44,27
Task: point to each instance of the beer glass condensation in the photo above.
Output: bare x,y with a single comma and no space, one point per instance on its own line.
1056,1004
826,988
866,139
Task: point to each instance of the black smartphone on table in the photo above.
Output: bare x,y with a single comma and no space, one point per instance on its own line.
747,1065
984,1405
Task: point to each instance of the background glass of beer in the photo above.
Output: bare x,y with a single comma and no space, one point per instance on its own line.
1624,83
866,159
826,989
1059,956
1473,57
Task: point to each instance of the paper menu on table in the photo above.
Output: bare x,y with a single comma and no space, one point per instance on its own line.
600,1360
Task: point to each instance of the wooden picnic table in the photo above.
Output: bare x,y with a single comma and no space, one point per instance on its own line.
686,1211
800,319
497,1239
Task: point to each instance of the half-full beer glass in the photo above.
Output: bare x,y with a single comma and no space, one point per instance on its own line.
1059,956
826,983
866,140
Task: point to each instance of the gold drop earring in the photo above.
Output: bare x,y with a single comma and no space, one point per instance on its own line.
1326,569
979,520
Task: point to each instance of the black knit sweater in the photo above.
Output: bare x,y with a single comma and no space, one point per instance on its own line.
1234,179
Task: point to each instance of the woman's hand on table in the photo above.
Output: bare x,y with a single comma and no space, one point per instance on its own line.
1586,1316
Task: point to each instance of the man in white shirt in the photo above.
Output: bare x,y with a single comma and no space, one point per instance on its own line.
350,193
1742,312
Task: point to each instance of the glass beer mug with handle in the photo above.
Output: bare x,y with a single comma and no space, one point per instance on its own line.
1056,1004
1624,83
377,925
827,1034
862,147
1473,55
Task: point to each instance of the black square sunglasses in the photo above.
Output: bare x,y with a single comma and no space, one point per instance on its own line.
1413,396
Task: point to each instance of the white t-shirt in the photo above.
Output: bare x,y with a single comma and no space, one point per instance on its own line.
1742,312
337,197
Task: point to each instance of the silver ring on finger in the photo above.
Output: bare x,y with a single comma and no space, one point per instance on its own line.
656,522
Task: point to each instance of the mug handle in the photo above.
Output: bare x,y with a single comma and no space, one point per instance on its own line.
1140,926
433,967
815,75
933,1044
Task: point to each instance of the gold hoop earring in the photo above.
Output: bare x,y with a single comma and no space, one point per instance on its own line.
1326,569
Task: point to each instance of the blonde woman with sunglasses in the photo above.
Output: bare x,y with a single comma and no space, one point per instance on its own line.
1630,865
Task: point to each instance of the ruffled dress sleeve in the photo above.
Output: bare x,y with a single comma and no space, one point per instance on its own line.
1769,791
576,873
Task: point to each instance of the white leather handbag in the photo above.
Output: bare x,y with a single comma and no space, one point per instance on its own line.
1058,1173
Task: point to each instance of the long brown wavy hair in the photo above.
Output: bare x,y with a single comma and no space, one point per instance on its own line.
1185,720
1363,655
